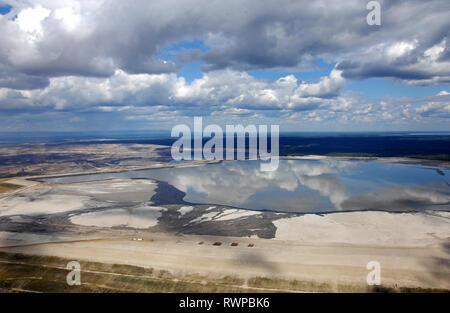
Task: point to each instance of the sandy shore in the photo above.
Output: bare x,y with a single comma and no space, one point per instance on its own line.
328,263
369,228
334,249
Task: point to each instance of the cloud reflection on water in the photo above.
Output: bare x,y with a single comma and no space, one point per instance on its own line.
312,186
304,185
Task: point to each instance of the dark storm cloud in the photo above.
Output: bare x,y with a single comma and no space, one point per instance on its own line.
95,38
22,81
355,70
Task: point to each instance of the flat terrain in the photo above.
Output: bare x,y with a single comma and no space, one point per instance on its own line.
4,186
307,253
270,264
80,156
77,157
139,235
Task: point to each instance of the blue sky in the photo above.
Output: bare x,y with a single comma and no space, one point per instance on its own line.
307,66
4,9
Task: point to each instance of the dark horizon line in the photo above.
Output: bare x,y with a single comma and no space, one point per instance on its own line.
168,131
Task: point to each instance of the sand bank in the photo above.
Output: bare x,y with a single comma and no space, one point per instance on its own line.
367,228
333,264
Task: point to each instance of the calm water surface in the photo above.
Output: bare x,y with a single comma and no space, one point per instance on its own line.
304,185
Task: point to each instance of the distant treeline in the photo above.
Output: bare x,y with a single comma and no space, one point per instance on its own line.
435,147
428,146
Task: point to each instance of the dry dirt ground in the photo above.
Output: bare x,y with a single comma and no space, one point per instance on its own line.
47,159
274,265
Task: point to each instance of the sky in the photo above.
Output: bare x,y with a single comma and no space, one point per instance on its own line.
93,65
